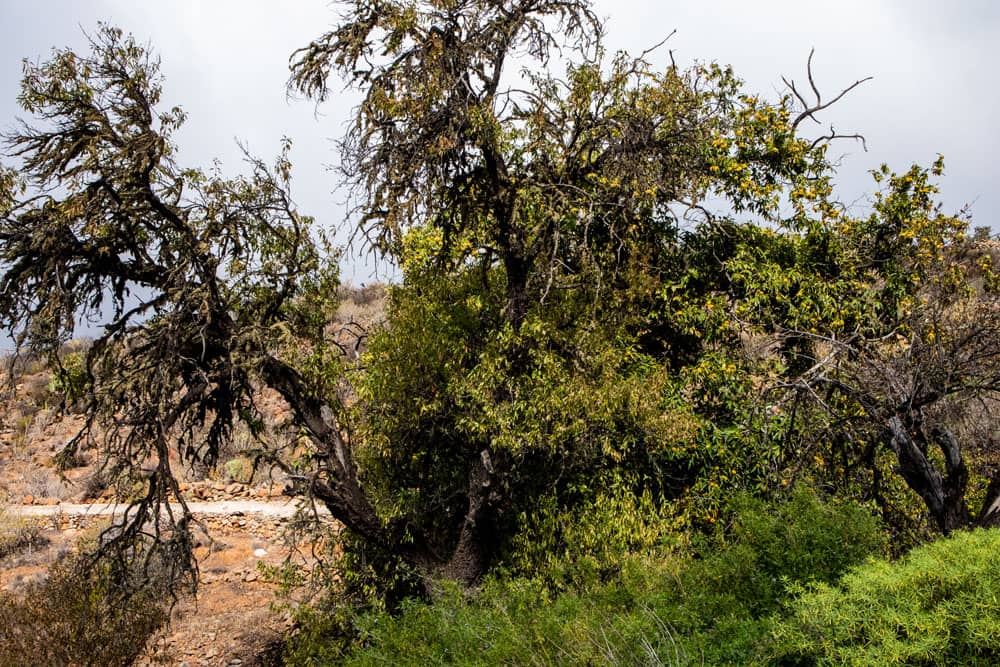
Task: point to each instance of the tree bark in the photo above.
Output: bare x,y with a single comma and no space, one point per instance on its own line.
989,515
944,495
956,481
477,540
517,290
347,501
342,494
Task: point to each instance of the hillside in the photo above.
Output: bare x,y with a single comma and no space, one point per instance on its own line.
243,522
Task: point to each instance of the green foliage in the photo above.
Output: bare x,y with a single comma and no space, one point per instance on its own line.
240,470
759,550
71,379
587,357
128,215
864,322
323,637
667,607
936,606
582,543
518,623
440,385
722,600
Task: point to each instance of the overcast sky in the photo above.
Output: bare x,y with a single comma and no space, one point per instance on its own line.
934,87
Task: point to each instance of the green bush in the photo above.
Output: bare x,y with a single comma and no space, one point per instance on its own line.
939,605
724,598
240,470
715,605
71,379
763,548
519,623
575,546
99,607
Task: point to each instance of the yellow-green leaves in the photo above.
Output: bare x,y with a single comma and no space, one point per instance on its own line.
11,187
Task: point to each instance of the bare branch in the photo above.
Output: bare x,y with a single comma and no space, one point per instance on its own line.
810,109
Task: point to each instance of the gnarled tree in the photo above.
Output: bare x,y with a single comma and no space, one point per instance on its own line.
895,368
546,213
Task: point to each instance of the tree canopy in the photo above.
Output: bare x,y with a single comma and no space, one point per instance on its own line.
627,290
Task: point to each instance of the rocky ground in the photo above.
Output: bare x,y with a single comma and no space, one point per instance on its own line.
234,620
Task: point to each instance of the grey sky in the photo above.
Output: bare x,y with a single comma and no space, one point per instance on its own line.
226,64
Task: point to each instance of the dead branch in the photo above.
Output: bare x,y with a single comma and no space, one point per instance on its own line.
810,109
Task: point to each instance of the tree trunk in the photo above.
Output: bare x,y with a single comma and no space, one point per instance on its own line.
517,291
989,515
478,538
347,501
944,495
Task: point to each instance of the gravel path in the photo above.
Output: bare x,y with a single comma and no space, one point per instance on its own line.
284,508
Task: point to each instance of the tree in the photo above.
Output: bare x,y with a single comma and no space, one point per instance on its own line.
551,179
891,344
195,277
538,229
565,195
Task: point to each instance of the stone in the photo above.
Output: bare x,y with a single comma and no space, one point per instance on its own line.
28,500
259,553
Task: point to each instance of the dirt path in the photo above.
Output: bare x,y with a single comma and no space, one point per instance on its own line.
280,509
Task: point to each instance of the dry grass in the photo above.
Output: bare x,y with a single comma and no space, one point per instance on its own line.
19,534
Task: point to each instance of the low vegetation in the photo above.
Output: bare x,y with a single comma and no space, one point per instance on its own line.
86,612
715,603
936,606
19,533
802,583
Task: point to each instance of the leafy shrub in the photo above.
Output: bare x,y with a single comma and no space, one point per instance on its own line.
575,546
71,380
763,548
724,598
518,623
323,636
239,470
938,605
714,605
